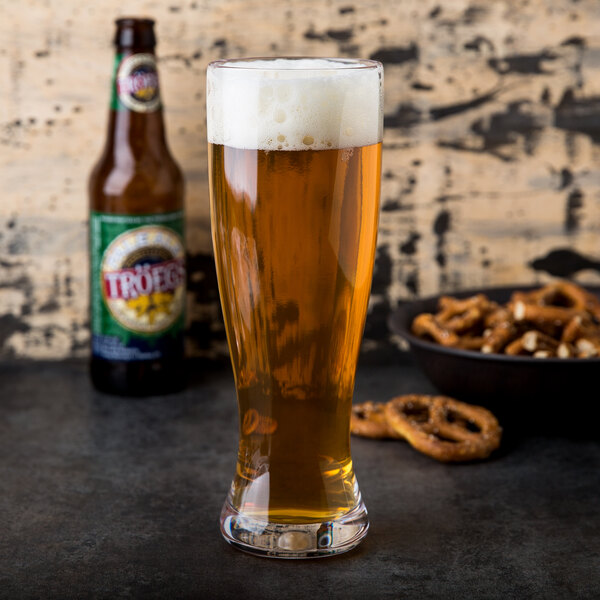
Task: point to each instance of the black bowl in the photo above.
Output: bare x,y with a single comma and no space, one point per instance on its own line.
558,390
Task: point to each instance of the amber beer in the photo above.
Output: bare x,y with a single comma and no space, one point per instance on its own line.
295,277
294,223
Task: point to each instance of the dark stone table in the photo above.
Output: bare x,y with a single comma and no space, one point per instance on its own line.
105,497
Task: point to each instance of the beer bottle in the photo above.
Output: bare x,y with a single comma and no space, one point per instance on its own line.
136,233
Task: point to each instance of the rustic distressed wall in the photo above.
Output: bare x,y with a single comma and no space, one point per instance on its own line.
490,153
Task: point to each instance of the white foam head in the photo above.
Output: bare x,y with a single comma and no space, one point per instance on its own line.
294,104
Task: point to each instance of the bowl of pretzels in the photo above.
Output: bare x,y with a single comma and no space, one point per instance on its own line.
511,349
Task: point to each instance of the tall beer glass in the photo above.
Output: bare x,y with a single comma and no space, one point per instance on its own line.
294,163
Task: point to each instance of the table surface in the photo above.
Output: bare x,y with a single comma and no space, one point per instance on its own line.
107,497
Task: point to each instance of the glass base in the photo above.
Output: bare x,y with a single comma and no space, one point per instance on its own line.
290,540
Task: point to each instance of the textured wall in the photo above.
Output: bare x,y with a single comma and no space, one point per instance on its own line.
490,152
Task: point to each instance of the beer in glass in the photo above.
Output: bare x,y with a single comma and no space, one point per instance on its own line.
294,164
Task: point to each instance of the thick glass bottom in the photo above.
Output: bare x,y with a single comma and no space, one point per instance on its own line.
289,540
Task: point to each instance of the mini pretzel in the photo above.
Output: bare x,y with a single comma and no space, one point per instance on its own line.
450,306
497,316
515,348
540,315
579,327
532,297
253,422
565,350
573,329
266,425
559,293
368,420
463,322
587,348
535,343
444,428
250,421
593,306
564,293
499,337
562,310
462,315
426,324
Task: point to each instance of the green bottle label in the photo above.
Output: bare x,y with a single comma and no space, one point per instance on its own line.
137,285
135,83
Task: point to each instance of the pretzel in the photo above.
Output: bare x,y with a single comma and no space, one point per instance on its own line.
426,324
564,292
535,343
461,315
253,422
368,420
444,428
587,348
579,327
559,293
581,333
532,297
565,350
250,421
542,315
266,425
496,339
450,306
464,321
565,316
497,316
593,307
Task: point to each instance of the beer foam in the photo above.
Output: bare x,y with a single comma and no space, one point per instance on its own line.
294,104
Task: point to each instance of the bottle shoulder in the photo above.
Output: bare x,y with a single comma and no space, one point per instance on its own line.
147,184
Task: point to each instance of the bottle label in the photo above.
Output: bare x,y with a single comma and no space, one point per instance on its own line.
137,285
136,83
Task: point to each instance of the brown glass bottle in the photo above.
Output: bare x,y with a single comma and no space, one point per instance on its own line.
137,253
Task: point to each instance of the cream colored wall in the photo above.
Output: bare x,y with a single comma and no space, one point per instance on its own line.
490,151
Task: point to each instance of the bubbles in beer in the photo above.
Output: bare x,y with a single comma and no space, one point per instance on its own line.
294,104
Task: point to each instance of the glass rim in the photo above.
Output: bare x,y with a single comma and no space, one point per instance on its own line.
239,63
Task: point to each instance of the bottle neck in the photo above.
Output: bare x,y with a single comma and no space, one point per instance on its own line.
136,120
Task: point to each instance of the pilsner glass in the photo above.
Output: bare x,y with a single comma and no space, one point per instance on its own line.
294,165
